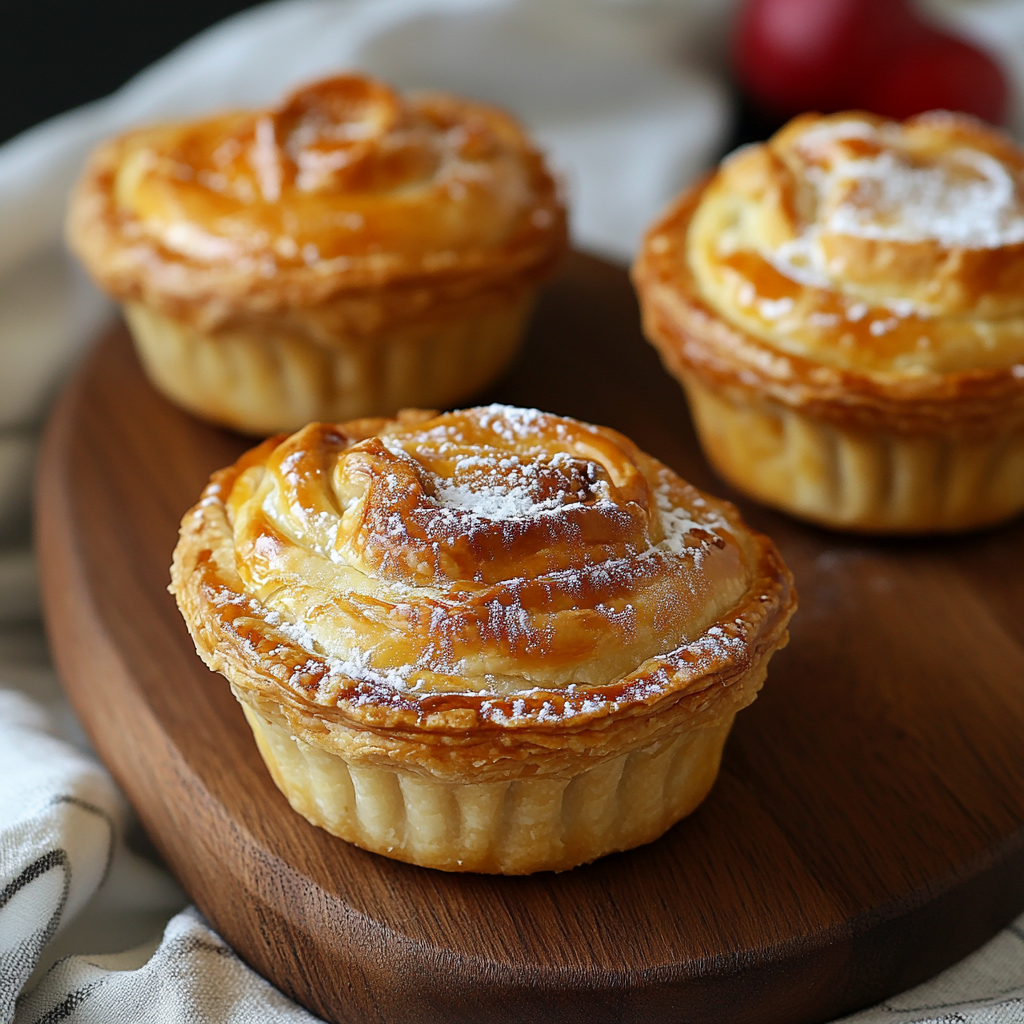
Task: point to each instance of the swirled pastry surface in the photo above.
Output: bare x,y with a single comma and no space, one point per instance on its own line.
345,185
866,245
492,565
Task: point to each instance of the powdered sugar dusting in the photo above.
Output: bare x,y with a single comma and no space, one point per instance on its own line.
353,665
869,186
969,201
499,488
825,134
463,556
511,422
494,503
800,260
679,524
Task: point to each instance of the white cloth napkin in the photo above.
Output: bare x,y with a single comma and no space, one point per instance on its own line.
625,95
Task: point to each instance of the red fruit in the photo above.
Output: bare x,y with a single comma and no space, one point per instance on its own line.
940,73
794,55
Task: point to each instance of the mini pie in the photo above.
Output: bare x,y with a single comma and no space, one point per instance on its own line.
495,640
344,254
844,306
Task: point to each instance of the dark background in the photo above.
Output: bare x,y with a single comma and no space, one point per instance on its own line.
59,54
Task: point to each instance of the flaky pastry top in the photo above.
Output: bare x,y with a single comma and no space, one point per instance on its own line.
870,244
861,268
345,185
491,568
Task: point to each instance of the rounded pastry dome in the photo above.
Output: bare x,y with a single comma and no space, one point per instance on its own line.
350,252
867,244
844,305
493,640
346,184
493,553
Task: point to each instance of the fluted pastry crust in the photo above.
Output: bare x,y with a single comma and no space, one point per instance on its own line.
347,219
864,274
479,598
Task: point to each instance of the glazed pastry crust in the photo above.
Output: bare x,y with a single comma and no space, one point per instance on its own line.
535,607
793,276
423,208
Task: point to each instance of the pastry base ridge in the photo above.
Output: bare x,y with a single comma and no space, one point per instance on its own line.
515,827
870,481
264,383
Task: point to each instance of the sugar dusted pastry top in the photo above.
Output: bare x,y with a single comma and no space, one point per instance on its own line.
345,185
867,244
495,567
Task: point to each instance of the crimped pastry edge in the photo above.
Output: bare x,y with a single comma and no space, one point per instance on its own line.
514,826
693,338
866,481
261,382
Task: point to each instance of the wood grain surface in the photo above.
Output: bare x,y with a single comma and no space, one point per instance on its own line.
867,829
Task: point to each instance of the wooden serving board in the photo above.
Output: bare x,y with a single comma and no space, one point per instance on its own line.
867,829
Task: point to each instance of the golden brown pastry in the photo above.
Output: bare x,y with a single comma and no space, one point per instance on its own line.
844,306
494,640
344,254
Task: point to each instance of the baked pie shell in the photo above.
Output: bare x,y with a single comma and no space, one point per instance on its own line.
540,780
864,451
265,353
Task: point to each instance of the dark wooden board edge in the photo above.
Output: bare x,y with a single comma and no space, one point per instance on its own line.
814,979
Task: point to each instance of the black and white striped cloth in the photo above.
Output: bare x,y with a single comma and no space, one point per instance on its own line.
63,860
